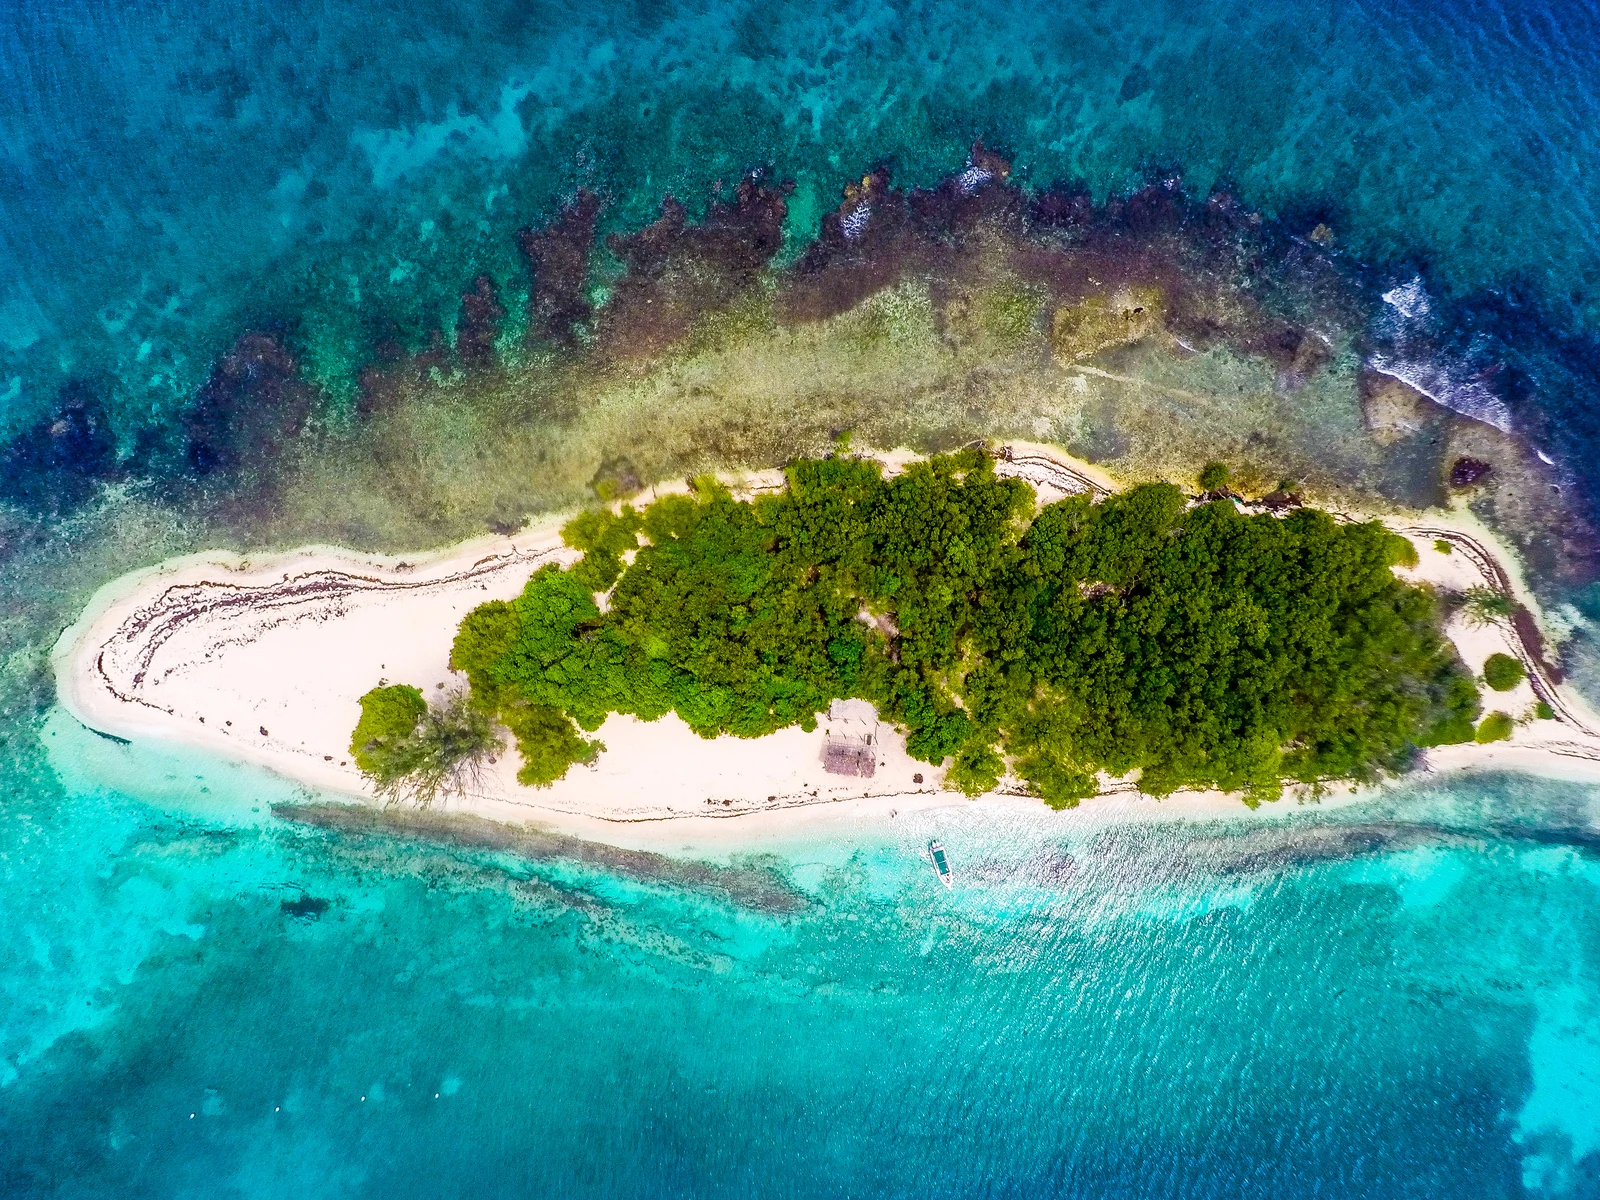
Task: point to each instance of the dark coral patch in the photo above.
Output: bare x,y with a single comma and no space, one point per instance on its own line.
1154,271
865,245
1467,472
1062,206
978,195
305,907
879,236
558,261
677,271
57,463
254,401
393,371
479,326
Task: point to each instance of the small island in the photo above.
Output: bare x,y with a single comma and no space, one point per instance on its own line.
1151,634
816,650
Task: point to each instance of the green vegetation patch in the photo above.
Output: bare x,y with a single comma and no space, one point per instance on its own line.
1402,552
410,750
1483,605
1502,672
389,715
1496,727
1195,645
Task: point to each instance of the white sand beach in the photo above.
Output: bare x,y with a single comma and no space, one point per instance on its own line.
265,660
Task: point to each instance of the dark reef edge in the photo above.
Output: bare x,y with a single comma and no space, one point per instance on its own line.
1050,278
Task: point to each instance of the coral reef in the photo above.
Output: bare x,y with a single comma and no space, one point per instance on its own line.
479,326
58,462
254,401
394,372
558,261
676,272
879,236
1152,333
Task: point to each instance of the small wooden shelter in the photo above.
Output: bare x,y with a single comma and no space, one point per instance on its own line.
850,741
846,756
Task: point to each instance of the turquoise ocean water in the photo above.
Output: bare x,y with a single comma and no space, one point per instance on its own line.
1394,1000
200,999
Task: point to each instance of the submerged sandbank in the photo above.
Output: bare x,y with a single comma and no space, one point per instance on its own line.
265,660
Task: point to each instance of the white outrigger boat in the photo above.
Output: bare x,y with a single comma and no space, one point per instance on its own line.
941,864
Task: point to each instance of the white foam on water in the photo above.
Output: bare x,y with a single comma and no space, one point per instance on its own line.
1409,299
1447,384
854,223
1416,362
972,179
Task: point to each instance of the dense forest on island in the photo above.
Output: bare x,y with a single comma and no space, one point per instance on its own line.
1197,645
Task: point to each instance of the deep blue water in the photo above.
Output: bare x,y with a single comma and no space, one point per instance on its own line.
1142,1013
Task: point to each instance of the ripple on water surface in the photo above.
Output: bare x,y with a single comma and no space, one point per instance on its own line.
1292,1007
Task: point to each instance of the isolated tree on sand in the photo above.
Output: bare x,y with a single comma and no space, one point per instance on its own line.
411,751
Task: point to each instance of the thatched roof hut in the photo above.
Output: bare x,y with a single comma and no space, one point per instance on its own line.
850,742
846,756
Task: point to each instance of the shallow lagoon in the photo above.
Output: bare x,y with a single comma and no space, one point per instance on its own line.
1397,998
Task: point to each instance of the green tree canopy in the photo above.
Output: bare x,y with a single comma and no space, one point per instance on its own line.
1496,727
1196,646
1502,672
408,749
389,715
